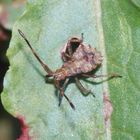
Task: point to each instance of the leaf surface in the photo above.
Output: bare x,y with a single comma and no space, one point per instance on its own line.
121,25
48,24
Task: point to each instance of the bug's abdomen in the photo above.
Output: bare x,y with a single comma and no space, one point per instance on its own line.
77,67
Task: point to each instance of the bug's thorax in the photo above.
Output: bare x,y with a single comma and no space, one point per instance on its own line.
84,59
60,74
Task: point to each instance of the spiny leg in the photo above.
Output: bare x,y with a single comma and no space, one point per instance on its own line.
46,68
109,76
62,90
57,84
82,88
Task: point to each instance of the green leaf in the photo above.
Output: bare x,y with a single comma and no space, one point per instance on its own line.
10,11
136,2
48,24
121,22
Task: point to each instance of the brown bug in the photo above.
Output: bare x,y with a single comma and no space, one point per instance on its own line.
66,54
78,58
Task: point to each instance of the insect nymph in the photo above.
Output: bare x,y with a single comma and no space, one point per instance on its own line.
79,60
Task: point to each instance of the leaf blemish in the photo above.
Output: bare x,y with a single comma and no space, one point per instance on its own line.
24,128
108,109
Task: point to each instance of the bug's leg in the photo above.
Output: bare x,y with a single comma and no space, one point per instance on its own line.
57,84
62,90
46,68
109,76
82,88
48,76
66,57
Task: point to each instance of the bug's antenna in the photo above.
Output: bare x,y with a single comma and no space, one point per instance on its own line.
82,37
46,68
